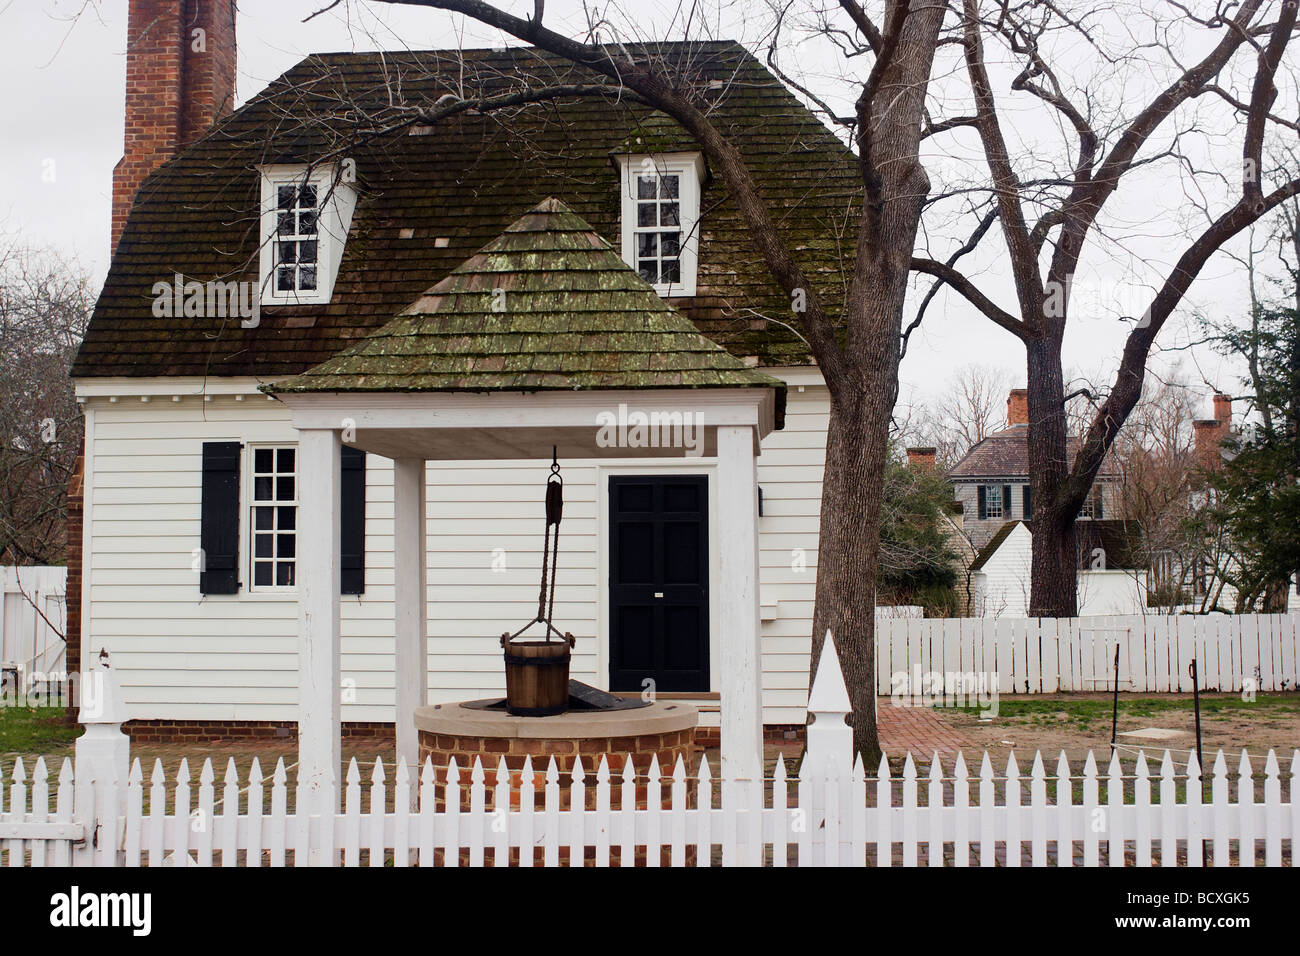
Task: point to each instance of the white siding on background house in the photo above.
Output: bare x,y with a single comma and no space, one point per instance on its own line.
1001,587
184,655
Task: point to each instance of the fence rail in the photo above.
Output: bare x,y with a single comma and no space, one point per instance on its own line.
1048,655
926,816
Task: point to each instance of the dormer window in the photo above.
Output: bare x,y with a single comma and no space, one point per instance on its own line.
660,219
296,248
306,214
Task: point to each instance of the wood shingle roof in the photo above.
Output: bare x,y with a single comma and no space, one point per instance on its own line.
427,202
548,304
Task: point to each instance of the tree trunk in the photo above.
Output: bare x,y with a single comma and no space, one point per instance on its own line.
1054,580
856,449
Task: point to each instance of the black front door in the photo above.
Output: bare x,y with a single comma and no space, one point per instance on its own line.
659,583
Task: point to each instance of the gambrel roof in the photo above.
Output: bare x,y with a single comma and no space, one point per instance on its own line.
548,304
1004,455
427,202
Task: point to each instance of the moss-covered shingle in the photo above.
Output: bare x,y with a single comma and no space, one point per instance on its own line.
509,319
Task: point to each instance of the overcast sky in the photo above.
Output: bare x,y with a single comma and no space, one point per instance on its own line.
62,65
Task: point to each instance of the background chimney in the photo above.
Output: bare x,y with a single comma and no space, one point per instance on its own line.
1223,414
1018,407
1206,432
921,457
180,79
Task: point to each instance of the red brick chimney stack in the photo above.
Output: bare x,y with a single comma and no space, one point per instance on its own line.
1205,433
1223,414
921,457
1018,407
180,79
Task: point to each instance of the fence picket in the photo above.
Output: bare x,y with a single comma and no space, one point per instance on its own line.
375,828
1168,821
256,806
402,813
1222,825
934,819
501,815
627,812
780,814
1246,812
961,812
1064,816
204,824
1273,822
429,803
1091,814
229,843
1114,812
1195,820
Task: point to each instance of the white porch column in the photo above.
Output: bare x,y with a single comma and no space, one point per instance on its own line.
319,684
410,624
742,709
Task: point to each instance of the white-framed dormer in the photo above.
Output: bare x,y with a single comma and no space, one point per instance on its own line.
306,212
660,218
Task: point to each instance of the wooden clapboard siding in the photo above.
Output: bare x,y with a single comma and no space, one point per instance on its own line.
220,657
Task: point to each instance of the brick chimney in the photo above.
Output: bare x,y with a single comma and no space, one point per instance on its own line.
1223,414
921,457
1206,433
1018,407
180,79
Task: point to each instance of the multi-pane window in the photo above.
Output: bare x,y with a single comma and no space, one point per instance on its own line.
297,237
660,218
993,501
658,229
1092,505
306,215
275,517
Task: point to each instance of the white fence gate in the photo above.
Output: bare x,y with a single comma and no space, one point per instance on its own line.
33,620
831,812
1050,655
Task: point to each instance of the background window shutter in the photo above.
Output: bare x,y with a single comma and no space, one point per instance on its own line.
352,518
983,502
1006,502
219,518
1027,503
1096,504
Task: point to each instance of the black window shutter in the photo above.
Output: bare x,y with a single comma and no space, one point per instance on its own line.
983,506
219,518
1027,503
352,518
1096,503
1006,502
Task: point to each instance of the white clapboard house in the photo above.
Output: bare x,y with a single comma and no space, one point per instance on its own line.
188,567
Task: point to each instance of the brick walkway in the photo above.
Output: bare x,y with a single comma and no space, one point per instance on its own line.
918,730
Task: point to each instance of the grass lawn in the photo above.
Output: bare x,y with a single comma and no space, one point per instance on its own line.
36,730
1086,710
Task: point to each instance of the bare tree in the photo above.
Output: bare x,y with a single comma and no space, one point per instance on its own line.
45,304
1049,220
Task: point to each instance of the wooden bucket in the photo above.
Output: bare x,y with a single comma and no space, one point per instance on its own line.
537,676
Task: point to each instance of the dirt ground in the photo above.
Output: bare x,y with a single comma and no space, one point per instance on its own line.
1077,723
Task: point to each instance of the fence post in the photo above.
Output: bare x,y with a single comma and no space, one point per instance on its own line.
829,754
101,765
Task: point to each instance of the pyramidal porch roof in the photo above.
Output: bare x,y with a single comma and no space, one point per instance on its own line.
547,305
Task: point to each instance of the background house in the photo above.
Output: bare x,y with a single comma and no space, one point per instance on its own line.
991,481
1111,568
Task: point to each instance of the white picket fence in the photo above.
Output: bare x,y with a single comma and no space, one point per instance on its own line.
1049,655
933,817
33,618
831,812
